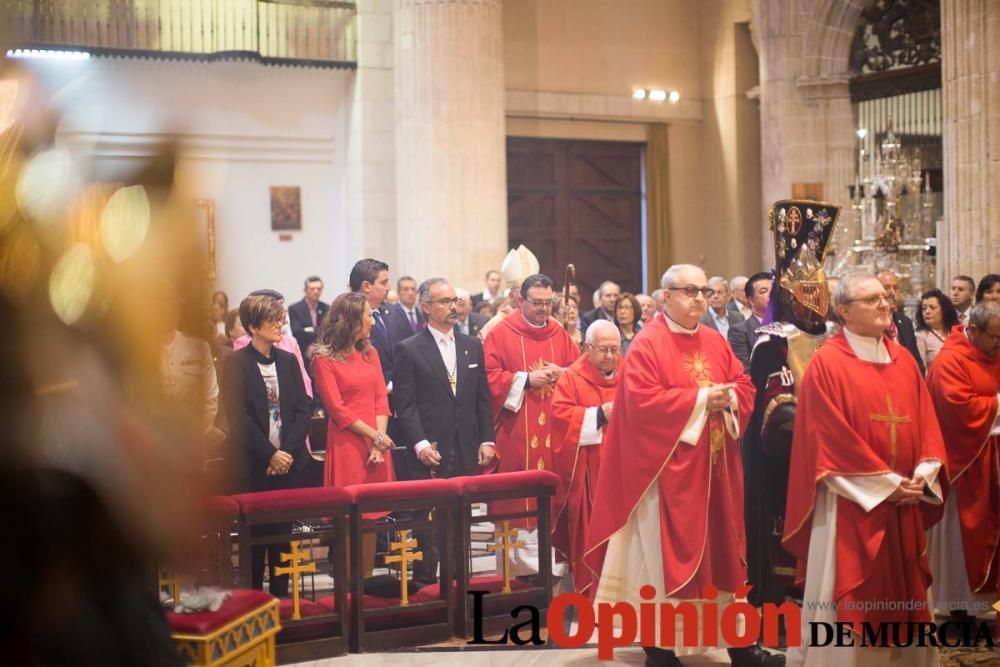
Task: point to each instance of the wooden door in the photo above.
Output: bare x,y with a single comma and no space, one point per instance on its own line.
578,202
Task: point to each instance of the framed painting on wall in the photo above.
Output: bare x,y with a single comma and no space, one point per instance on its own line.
286,208
205,221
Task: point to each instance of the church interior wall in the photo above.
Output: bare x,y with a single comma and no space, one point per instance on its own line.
595,48
243,128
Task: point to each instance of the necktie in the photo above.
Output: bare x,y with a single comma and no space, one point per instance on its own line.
378,320
892,331
413,321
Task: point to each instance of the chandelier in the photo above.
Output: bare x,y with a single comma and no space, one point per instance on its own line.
893,228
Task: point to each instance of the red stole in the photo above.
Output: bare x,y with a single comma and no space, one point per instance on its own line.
524,438
963,383
848,411
700,487
582,386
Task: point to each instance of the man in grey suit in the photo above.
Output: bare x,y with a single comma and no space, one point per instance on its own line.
742,336
468,323
717,315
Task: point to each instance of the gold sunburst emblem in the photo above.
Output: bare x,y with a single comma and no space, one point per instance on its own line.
698,368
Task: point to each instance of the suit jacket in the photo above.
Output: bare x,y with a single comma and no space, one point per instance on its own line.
476,322
426,408
731,317
398,314
245,401
301,323
397,328
907,337
742,337
589,317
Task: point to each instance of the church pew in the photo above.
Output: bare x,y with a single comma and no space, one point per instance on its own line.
320,630
504,592
426,616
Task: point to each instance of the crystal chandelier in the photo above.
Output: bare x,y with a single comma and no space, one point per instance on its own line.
893,227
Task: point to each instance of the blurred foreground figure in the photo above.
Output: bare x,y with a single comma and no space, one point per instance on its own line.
99,475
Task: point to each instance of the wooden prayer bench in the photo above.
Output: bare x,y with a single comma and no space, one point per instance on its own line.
241,632
504,593
380,624
310,630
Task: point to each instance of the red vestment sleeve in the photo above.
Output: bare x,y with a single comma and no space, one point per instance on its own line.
497,376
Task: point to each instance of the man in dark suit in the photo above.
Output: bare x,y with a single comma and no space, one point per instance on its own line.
742,336
901,329
406,288
370,278
469,322
717,315
608,294
492,290
441,402
305,316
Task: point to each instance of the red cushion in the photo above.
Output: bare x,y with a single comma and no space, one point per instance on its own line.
307,608
387,492
506,481
370,602
490,584
240,603
311,498
221,508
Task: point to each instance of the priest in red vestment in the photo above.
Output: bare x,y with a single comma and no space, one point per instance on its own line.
668,509
526,354
965,386
581,408
867,478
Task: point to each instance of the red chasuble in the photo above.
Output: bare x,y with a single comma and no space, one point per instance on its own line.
862,418
700,487
964,383
523,438
582,386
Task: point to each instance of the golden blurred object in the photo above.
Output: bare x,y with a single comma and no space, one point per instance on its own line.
48,185
20,259
8,103
125,222
72,283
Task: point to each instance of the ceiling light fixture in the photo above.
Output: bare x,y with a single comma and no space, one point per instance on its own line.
47,54
657,95
674,97
639,94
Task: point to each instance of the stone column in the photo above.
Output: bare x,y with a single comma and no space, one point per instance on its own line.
970,60
451,193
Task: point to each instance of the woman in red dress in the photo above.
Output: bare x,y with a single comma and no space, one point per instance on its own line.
348,379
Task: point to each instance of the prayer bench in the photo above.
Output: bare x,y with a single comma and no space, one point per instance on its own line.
426,616
310,630
242,631
503,592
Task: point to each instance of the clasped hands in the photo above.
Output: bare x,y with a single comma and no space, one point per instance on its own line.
719,397
281,463
909,491
381,443
547,374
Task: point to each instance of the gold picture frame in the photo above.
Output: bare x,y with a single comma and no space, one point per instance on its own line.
205,213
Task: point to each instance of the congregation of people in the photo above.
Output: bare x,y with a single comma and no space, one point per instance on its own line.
640,404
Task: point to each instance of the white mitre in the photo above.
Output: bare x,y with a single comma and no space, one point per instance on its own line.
518,265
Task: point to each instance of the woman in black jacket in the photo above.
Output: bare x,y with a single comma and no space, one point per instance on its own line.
268,412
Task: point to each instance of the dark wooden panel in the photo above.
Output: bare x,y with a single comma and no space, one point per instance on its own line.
579,202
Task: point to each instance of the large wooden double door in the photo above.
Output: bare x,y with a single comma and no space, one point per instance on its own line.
578,202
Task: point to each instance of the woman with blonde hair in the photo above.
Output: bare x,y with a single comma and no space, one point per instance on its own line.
348,380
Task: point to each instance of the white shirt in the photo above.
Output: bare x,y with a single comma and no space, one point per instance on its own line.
721,321
269,373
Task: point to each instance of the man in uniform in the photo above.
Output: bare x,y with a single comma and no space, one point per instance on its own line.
797,328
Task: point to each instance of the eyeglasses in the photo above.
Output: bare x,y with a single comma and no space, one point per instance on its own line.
873,300
691,291
608,351
539,303
446,302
